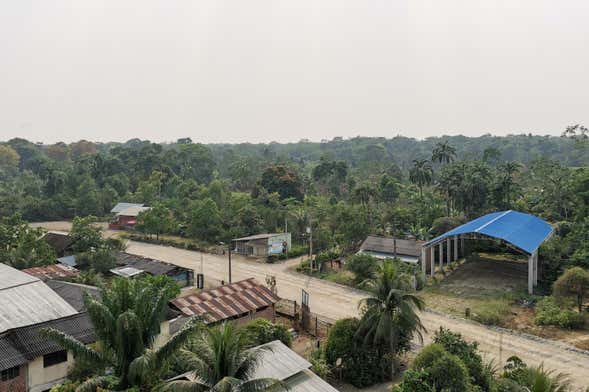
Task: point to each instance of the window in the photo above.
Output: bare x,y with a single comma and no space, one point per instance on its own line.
10,373
54,358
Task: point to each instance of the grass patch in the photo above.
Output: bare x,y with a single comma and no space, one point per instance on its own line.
491,312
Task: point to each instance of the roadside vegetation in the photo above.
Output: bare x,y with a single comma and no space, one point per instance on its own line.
339,192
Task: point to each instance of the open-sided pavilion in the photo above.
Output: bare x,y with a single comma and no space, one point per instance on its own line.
521,232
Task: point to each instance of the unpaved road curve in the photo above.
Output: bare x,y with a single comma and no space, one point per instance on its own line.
336,301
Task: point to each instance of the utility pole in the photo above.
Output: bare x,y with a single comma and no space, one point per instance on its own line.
311,246
229,262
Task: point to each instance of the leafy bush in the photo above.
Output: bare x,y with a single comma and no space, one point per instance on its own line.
532,378
468,354
363,266
295,251
415,381
361,365
261,331
548,312
444,371
491,312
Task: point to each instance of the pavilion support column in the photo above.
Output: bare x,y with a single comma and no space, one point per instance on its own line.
441,256
536,268
455,248
448,251
423,260
432,260
463,250
531,274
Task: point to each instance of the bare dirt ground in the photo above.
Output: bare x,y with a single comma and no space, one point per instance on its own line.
337,301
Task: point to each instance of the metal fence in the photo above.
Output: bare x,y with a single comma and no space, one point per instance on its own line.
303,319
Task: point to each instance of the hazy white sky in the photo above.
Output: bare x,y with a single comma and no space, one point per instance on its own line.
264,70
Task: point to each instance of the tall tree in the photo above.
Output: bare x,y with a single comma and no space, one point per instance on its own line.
390,316
421,174
443,152
126,321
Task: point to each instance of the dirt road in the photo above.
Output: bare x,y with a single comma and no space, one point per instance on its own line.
336,301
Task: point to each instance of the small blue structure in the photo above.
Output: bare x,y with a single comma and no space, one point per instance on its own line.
520,231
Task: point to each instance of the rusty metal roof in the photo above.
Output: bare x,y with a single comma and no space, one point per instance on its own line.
227,302
54,271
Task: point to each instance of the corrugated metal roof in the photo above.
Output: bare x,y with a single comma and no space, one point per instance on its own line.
54,271
279,362
258,237
151,266
31,344
123,206
389,245
282,363
133,211
9,355
59,241
307,381
525,232
73,293
25,300
226,302
126,272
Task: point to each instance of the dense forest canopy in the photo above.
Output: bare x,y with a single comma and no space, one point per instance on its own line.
344,189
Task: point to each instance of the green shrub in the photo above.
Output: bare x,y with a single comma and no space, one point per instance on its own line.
415,381
363,266
362,365
468,354
261,331
548,312
445,371
304,266
295,251
491,312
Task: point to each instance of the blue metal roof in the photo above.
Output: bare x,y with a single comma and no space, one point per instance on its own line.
524,231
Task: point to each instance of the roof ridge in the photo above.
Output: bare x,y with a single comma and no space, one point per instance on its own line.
492,220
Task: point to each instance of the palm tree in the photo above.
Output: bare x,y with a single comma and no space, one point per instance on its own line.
126,322
443,153
421,174
521,377
221,362
390,316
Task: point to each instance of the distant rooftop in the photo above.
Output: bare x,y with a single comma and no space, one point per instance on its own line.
390,245
126,272
123,206
133,211
26,300
258,237
53,271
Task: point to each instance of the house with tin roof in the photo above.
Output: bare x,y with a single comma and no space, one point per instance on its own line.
241,301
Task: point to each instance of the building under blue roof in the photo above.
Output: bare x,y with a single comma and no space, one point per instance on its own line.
524,232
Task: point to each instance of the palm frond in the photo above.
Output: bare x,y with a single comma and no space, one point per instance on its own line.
263,385
92,384
178,340
183,386
79,349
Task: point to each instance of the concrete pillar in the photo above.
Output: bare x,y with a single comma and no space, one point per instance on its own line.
531,274
441,256
535,268
432,260
423,260
448,251
455,248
